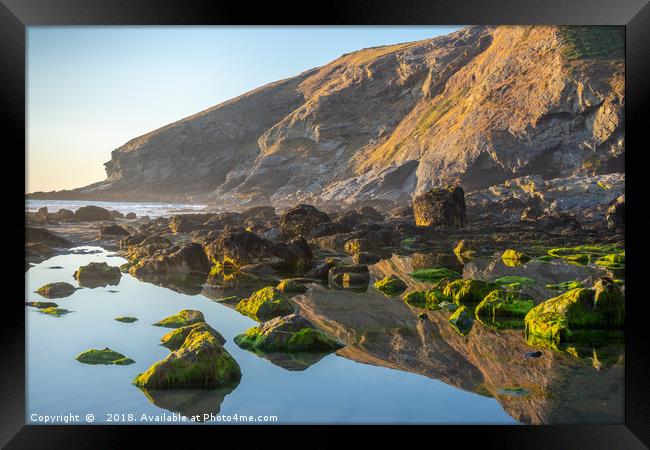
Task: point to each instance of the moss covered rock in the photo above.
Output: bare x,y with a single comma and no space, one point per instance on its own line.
565,286
126,319
105,356
199,362
291,287
56,290
97,275
499,303
465,292
514,282
429,299
583,254
514,258
265,304
183,318
391,285
174,339
462,320
557,318
291,333
434,274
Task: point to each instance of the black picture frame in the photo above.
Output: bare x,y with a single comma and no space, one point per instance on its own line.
16,15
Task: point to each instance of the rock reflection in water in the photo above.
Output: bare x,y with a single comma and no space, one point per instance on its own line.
190,402
294,362
559,387
188,284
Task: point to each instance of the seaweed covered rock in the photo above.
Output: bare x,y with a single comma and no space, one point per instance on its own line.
499,303
54,311
98,274
41,305
583,254
92,213
182,258
464,292
291,287
265,304
581,308
440,207
430,299
56,290
462,320
183,318
301,220
199,362
104,356
512,257
292,333
391,285
126,319
175,338
348,275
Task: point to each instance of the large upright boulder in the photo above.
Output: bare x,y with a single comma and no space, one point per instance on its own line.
616,213
301,219
440,207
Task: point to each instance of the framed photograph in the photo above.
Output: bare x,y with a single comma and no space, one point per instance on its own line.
379,214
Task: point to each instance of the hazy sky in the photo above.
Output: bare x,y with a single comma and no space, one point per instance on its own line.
91,89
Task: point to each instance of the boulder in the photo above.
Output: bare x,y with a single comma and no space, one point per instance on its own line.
45,237
291,287
112,230
321,272
301,220
92,213
175,338
292,333
265,304
98,275
354,246
345,275
464,292
56,290
199,362
260,212
365,258
116,214
440,207
182,258
130,216
500,303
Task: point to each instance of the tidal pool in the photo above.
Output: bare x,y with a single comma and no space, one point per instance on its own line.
400,370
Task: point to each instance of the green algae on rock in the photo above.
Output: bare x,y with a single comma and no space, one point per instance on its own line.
200,362
291,287
434,274
56,290
97,275
42,305
429,299
105,356
583,254
292,333
565,286
499,303
514,282
513,258
54,311
175,339
265,304
391,285
183,318
467,291
462,320
557,318
126,319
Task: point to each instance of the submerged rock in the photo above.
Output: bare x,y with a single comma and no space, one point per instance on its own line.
391,285
183,318
440,207
291,333
98,274
265,304
105,356
126,319
199,362
56,290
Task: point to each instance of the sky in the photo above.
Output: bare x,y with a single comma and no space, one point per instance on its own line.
92,89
